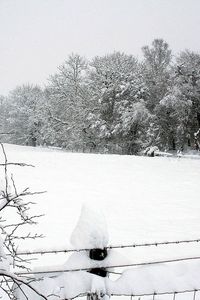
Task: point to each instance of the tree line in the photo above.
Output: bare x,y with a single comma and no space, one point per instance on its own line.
111,104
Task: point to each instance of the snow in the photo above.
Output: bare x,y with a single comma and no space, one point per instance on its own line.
4,260
143,199
4,265
3,203
160,278
82,260
91,230
138,281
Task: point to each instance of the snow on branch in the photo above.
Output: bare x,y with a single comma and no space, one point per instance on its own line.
13,200
18,282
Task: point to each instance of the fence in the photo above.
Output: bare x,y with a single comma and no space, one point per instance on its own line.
190,294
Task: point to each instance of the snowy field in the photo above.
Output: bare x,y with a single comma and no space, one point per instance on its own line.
143,199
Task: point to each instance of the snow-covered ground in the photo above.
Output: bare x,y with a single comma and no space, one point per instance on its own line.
143,199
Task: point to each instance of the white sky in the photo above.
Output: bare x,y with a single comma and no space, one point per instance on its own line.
37,35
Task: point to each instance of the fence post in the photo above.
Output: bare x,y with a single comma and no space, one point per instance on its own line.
194,295
99,255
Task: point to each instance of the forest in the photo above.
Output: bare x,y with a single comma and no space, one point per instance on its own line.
115,103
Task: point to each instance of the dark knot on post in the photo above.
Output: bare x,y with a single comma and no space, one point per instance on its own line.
98,254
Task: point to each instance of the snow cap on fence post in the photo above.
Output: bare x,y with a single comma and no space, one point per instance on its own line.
91,233
91,230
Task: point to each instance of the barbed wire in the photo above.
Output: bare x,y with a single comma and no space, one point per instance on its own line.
155,293
159,293
174,293
109,267
41,252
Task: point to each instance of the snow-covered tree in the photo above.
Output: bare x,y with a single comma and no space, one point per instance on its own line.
67,104
188,77
5,131
180,108
157,74
117,87
156,71
24,117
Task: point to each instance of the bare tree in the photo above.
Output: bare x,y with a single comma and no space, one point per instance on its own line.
12,200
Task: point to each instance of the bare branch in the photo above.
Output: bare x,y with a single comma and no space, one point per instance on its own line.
17,280
16,164
5,170
11,198
4,133
57,119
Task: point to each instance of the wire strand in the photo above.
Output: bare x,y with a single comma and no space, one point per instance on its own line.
41,252
158,293
108,267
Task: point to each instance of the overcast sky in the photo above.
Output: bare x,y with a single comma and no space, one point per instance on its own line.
37,35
